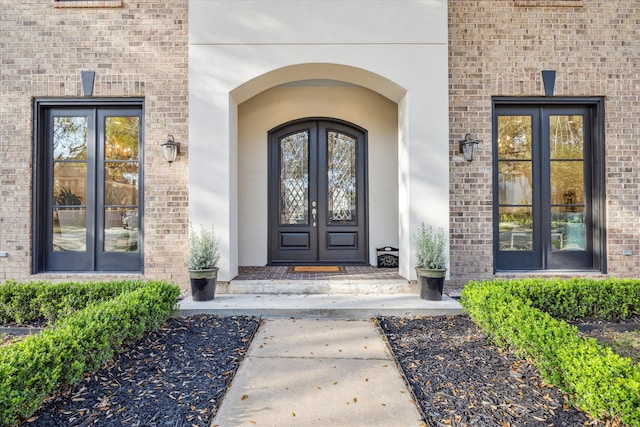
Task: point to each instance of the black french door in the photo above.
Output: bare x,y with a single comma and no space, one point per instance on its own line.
89,203
544,181
317,193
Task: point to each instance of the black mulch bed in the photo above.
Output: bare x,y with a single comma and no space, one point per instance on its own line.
175,376
460,379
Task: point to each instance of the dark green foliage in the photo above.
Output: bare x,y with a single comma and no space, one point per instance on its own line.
40,300
524,315
81,341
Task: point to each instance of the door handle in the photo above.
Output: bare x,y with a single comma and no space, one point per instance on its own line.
314,212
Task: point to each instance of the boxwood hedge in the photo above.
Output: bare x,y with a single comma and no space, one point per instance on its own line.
526,316
93,321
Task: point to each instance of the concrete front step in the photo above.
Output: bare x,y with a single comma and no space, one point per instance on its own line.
320,306
311,287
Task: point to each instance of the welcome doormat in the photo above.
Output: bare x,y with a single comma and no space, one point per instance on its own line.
316,269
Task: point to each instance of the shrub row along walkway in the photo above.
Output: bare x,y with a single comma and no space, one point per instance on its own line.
308,372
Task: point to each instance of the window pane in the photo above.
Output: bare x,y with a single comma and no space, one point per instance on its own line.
121,230
294,179
514,183
514,137
567,183
69,229
341,178
566,138
69,183
121,138
516,229
568,228
121,184
70,138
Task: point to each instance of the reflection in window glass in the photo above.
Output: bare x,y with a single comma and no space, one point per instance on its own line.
568,229
121,230
69,183
69,229
514,137
70,138
121,138
516,229
566,145
515,183
121,170
566,137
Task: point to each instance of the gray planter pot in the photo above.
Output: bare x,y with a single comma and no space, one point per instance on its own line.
203,284
431,283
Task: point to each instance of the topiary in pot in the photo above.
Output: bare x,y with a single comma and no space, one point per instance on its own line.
203,262
431,261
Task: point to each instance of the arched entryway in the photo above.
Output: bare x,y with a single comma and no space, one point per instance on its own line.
356,109
230,118
318,193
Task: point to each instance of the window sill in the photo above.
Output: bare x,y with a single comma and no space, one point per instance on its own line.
88,4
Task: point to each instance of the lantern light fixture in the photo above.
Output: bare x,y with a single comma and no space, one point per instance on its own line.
170,149
468,147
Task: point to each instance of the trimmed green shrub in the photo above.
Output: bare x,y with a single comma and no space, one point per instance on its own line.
522,315
80,342
41,300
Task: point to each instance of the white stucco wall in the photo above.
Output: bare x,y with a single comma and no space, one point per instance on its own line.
363,107
396,48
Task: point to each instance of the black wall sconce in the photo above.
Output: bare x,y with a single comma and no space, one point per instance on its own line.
469,147
170,149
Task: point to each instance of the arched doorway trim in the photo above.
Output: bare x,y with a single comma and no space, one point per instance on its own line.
312,71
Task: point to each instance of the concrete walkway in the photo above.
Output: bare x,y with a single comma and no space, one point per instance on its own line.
308,372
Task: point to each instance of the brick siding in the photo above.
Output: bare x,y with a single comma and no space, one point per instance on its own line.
137,49
498,48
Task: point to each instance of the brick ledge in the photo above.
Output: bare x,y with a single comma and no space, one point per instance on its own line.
88,3
549,3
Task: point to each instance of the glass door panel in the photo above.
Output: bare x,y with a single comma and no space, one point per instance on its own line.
294,179
121,176
567,185
341,178
515,183
69,165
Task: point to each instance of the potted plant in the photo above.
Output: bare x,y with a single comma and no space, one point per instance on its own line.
203,263
431,262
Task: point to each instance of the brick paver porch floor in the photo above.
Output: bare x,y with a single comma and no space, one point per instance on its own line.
356,272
